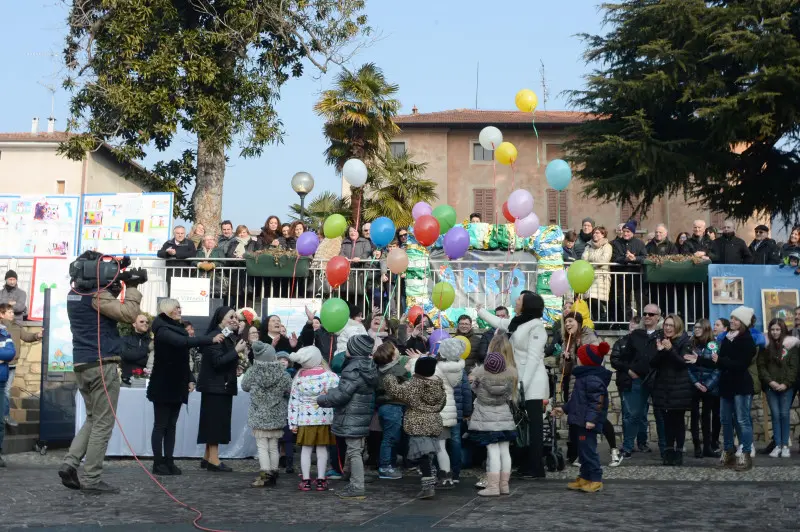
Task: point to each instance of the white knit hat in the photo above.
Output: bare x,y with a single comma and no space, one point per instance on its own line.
451,349
308,357
743,314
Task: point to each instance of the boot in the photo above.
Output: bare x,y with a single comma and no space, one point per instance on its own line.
667,460
576,484
744,463
173,469
708,452
445,479
698,449
592,487
504,478
492,485
272,479
261,480
728,459
160,467
677,458
428,488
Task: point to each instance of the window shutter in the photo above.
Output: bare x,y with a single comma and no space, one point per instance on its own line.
483,202
562,200
557,201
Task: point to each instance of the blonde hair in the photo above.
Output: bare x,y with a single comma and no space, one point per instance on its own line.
677,321
501,344
167,305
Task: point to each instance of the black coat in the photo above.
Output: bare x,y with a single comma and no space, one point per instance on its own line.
218,368
135,350
694,244
321,339
734,362
184,250
671,386
638,352
483,346
624,381
667,247
169,381
620,246
765,252
730,250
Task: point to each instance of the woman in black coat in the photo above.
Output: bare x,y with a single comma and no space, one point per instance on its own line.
171,381
671,386
271,334
217,382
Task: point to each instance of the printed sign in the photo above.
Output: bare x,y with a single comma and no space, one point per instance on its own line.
193,294
292,312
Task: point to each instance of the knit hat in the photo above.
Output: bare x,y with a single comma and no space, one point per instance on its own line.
360,345
451,348
630,225
308,357
743,314
592,355
494,363
11,274
425,366
588,219
263,352
282,354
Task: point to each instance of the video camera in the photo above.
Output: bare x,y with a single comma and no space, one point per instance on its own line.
94,271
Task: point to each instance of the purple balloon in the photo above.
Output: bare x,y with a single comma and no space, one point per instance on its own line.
456,242
559,284
307,244
520,203
421,209
437,336
527,226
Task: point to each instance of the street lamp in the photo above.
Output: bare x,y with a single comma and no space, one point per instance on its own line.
303,184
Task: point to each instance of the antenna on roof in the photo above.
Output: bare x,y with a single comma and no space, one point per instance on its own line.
477,80
51,87
52,90
545,88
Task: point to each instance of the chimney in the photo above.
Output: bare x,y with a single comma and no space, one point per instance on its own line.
35,126
414,110
51,125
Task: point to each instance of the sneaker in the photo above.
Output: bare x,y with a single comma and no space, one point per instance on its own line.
481,482
351,492
626,454
776,452
261,480
11,422
645,449
322,484
100,488
389,473
616,458
68,474
591,487
576,485
305,485
456,481
739,451
576,463
333,475
786,453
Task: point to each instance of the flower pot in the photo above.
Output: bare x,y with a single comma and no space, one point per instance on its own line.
267,265
675,272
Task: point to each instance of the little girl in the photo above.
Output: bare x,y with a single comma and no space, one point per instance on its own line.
269,385
311,422
450,369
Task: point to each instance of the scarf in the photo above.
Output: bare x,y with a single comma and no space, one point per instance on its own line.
529,312
600,243
731,335
241,246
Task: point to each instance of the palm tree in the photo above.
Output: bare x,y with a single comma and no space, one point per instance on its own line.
398,183
359,121
320,208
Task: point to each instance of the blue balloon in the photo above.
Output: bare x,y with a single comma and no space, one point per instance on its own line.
382,231
558,174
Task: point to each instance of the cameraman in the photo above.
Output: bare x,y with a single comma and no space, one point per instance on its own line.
86,309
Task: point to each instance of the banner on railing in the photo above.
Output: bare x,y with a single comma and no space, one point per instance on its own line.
44,226
292,312
193,293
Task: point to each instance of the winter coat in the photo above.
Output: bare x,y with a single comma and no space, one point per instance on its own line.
360,249
765,251
19,297
321,339
786,249
463,396
638,352
735,357
667,247
671,388
171,375
483,346
425,398
7,352
783,371
218,367
492,392
599,252
694,244
704,371
584,241
396,368
451,374
353,328
730,250
18,335
620,246
624,381
569,254
269,386
249,247
353,398
309,384
135,353
183,250
475,345
588,402
528,342
224,242
588,337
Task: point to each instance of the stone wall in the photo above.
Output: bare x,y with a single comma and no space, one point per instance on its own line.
28,380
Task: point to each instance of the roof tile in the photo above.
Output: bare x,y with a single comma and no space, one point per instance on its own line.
479,117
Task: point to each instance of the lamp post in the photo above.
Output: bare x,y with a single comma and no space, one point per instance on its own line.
303,184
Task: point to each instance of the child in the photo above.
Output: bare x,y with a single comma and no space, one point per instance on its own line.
451,370
288,437
268,385
283,360
353,399
7,354
586,410
492,423
390,410
310,421
424,394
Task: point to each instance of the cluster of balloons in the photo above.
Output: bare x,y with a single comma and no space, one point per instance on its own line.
430,223
579,276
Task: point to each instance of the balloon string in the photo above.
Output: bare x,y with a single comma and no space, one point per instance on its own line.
533,121
358,220
391,297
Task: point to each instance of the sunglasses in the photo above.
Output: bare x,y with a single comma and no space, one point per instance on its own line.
403,235
649,314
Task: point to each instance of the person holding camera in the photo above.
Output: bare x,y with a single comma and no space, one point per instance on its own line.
94,310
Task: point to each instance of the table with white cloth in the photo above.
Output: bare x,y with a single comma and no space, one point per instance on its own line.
135,413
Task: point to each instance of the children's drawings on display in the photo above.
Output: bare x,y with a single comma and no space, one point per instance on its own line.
44,226
48,272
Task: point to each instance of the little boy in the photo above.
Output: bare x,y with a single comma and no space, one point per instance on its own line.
7,354
586,410
288,438
390,409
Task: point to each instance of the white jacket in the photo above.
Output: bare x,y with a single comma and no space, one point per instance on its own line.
528,342
307,385
451,374
353,328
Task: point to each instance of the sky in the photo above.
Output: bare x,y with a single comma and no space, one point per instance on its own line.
431,49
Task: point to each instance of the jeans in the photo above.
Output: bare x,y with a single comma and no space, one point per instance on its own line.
591,469
166,418
779,405
3,402
734,412
391,418
634,418
7,408
354,463
455,450
709,419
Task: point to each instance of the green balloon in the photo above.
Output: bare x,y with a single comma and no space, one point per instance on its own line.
334,315
446,216
443,295
580,276
334,226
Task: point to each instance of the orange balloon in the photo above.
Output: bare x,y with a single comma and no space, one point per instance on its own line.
337,271
397,261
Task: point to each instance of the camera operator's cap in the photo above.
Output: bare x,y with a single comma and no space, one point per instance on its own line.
263,352
11,274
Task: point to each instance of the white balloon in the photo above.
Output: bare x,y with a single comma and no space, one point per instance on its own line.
354,172
490,138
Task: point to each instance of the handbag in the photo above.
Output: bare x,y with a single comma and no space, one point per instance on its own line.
520,418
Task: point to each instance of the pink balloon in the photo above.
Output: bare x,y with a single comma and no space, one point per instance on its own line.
527,226
520,203
559,284
421,209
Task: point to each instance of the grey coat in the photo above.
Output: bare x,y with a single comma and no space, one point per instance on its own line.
354,399
492,393
269,386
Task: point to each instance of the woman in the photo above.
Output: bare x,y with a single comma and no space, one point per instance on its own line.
271,334
711,233
680,243
671,387
171,380
792,246
777,368
705,378
252,335
418,338
528,338
721,327
356,248
286,231
269,236
598,251
295,230
197,234
218,385
241,244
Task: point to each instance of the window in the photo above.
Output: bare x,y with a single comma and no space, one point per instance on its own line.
626,211
398,149
557,213
483,202
60,185
479,153
718,219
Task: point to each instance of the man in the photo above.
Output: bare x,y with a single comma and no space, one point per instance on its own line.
729,248
629,252
764,249
96,374
475,218
136,349
699,243
585,236
486,337
178,249
18,335
14,296
365,232
464,328
661,245
226,238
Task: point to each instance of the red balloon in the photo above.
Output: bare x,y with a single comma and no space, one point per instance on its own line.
507,213
414,313
426,230
337,271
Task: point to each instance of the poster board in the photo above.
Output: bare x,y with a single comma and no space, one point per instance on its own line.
292,312
42,226
777,285
58,334
48,272
193,293
126,224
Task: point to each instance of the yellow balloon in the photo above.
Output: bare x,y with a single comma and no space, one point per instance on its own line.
506,153
526,100
468,348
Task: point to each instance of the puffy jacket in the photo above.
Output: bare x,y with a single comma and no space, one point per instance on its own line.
218,367
730,249
492,393
620,246
353,399
782,370
309,384
638,352
704,371
474,347
624,381
7,352
135,353
765,251
18,335
451,374
361,249
735,357
269,386
171,375
425,398
396,368
666,247
588,402
672,388
463,396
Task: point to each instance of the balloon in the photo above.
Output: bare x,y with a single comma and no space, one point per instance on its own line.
506,153
421,209
334,315
435,338
456,242
334,226
507,214
354,172
382,231
516,291
307,244
468,347
443,295
414,313
527,226
520,203
581,276
558,174
426,230
337,271
526,100
397,261
559,285
490,138
446,216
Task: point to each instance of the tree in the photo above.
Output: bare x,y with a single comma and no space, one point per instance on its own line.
143,71
694,97
398,183
359,123
321,207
